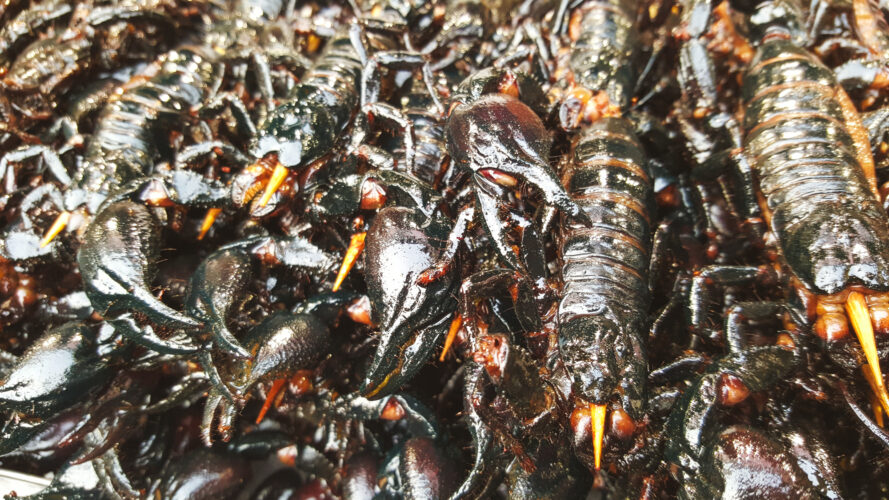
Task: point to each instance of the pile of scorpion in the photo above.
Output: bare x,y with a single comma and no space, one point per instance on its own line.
374,249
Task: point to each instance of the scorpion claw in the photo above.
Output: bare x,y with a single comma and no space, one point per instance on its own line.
282,345
219,281
145,336
213,402
413,318
159,312
55,372
117,261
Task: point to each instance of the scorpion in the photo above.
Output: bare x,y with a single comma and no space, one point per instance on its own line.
154,102
602,323
810,153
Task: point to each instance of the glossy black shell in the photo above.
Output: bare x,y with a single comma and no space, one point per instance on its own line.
59,369
124,144
282,345
413,319
603,311
830,228
307,126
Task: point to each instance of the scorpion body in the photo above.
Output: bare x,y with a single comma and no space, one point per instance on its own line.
604,44
814,179
122,148
326,99
429,133
809,172
604,267
811,154
605,297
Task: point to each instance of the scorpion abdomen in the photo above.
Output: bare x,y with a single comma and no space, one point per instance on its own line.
603,50
829,225
604,267
123,145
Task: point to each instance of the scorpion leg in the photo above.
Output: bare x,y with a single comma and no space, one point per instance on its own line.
871,29
738,313
488,462
263,74
743,180
488,283
232,103
698,296
49,157
205,358
875,430
109,470
214,401
186,390
677,296
397,60
373,111
419,418
444,261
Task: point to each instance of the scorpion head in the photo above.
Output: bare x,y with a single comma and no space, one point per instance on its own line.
707,456
299,132
829,253
605,362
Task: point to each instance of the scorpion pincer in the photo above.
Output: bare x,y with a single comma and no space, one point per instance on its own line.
280,346
413,319
499,140
712,459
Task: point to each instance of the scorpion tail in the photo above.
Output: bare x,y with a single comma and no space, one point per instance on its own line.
270,398
278,175
597,412
456,323
208,221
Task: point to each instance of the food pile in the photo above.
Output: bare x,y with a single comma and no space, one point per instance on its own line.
450,249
